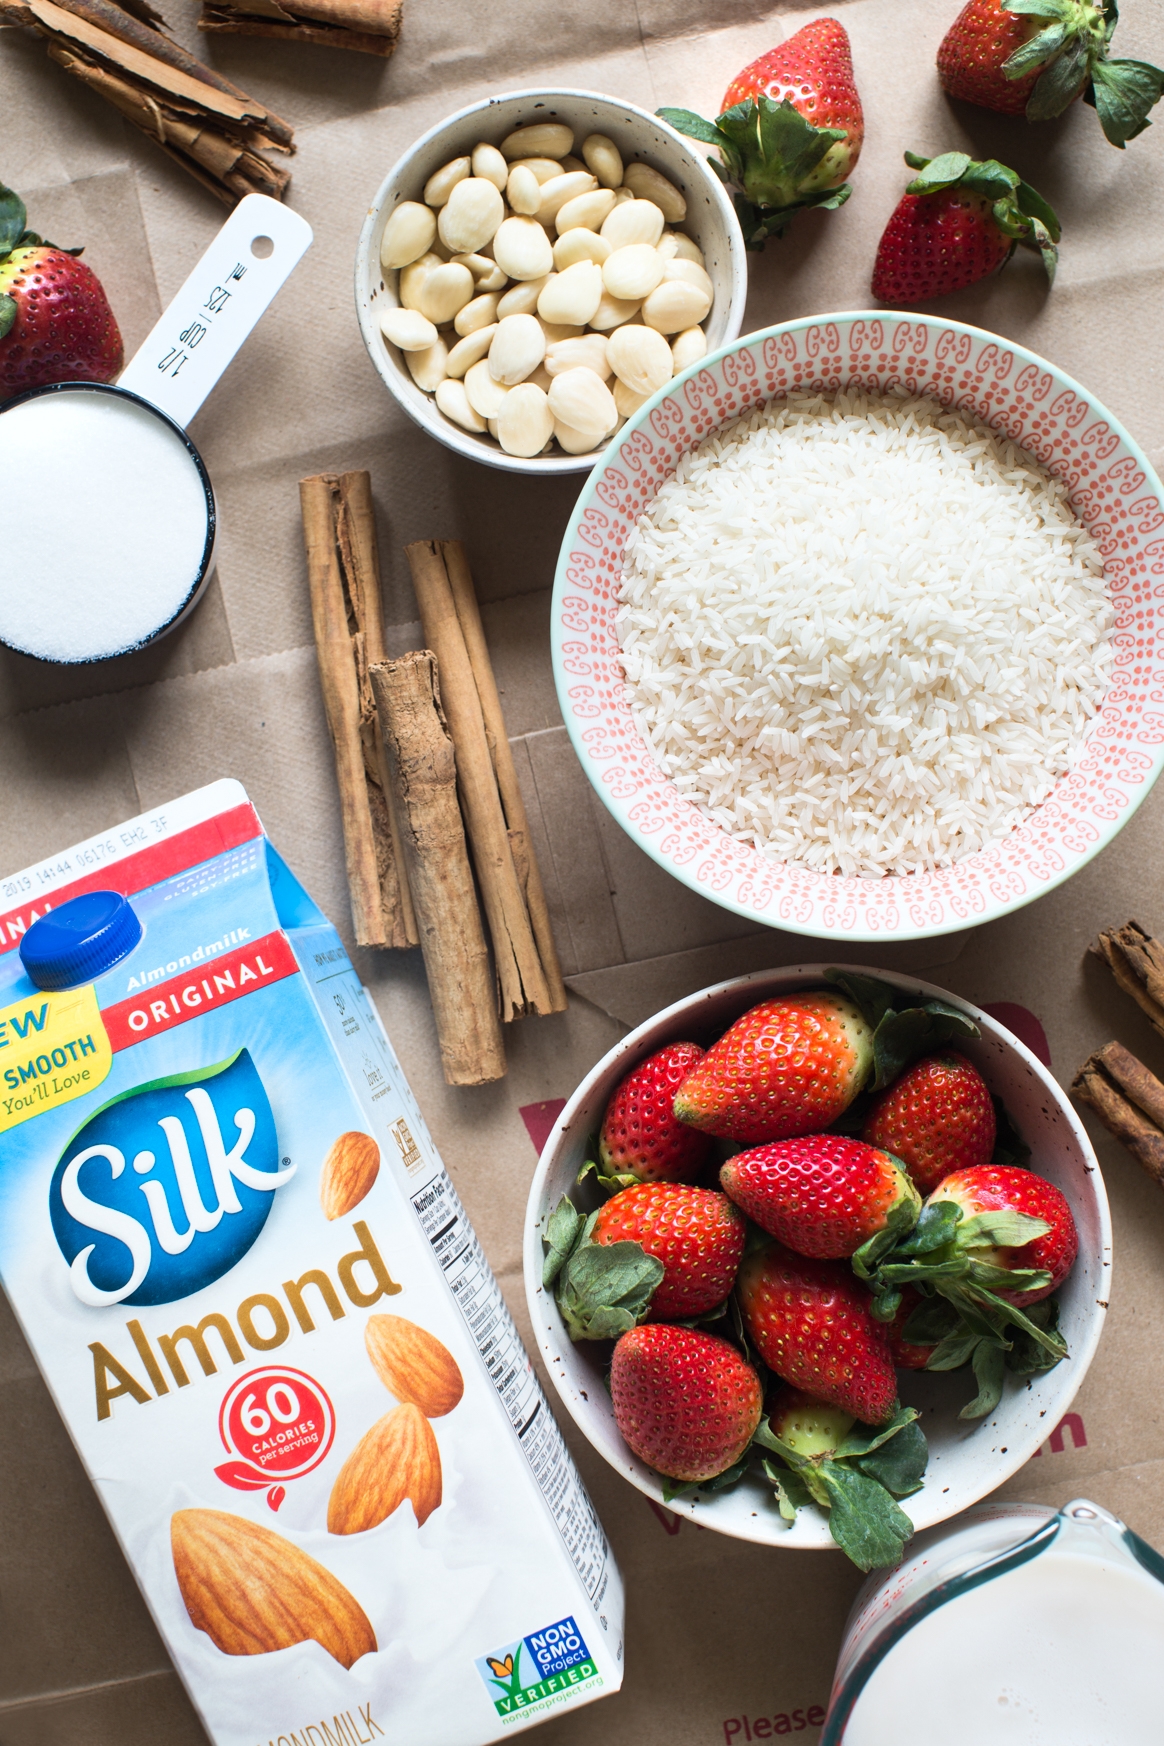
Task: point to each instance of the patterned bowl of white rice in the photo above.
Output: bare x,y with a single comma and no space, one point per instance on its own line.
854,626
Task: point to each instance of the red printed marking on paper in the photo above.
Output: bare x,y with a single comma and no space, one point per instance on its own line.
213,983
539,1119
1070,1423
737,1729
145,867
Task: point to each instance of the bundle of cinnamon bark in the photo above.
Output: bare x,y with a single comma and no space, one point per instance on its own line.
1126,1096
202,121
432,811
370,26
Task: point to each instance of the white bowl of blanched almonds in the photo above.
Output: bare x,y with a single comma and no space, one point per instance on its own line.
540,264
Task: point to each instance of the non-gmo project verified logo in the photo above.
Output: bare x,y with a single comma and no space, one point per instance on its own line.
536,1668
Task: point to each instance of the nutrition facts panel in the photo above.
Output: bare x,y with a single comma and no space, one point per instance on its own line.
472,1283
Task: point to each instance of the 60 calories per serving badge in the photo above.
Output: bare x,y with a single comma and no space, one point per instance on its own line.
277,1424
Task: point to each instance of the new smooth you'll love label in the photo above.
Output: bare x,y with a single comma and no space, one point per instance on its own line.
53,1047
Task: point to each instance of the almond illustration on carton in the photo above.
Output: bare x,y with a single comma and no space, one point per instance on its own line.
414,1365
252,1591
397,1459
349,1170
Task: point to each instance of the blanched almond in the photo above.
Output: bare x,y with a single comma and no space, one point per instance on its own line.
483,391
640,357
408,329
521,299
575,442
541,139
688,347
487,275
674,305
408,234
571,298
413,277
612,312
674,245
443,291
441,184
470,350
478,313
427,368
627,400
689,273
487,161
579,245
581,399
518,346
543,168
588,352
559,189
522,249
523,191
648,184
584,212
454,403
525,423
470,215
603,159
633,221
633,272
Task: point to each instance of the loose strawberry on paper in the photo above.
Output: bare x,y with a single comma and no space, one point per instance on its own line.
790,130
642,1138
1037,57
938,1117
55,321
823,1194
686,1402
790,1066
957,222
853,1471
810,1321
695,1234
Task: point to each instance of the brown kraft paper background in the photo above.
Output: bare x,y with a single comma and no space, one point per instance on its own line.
721,1634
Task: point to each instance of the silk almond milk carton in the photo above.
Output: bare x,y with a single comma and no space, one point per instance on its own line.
264,1316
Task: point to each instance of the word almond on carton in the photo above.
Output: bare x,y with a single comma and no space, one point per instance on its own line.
259,1305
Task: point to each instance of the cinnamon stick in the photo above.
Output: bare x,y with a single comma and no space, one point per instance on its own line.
505,771
369,26
522,985
209,126
424,772
1136,960
344,577
1129,1101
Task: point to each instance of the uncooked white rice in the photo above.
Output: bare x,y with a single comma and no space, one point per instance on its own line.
863,632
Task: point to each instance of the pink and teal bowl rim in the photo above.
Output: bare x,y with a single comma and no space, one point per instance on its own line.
1114,490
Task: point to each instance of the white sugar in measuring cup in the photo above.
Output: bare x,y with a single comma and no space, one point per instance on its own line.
1016,1625
108,521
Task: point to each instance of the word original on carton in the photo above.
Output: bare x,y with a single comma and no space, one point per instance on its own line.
238,1260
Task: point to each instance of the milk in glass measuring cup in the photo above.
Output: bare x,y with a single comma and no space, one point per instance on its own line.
1017,1626
108,520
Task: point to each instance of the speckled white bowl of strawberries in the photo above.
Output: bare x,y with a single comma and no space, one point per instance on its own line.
968,1459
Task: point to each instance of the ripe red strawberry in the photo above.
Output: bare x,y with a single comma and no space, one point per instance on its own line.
55,321
958,222
810,1322
822,1194
1036,61
790,1066
685,1401
790,130
1000,1188
936,1118
641,1134
697,1235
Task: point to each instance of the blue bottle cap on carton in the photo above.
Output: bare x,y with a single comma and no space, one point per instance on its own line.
80,941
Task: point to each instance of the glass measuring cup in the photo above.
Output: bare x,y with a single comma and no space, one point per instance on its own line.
1019,1625
108,517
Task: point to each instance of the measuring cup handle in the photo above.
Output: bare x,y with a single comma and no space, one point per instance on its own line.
193,342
